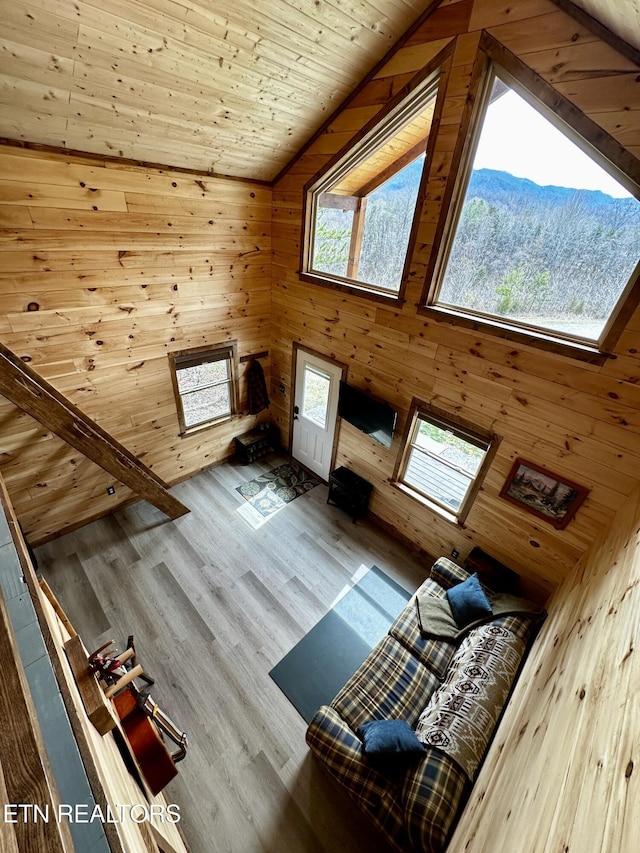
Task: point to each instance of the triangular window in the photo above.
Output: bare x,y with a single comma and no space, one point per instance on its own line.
542,237
361,209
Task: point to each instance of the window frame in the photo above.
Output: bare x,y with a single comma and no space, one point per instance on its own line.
583,132
204,355
461,428
431,80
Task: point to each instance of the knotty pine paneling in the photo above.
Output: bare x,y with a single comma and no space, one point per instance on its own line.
562,772
234,88
577,419
113,269
621,17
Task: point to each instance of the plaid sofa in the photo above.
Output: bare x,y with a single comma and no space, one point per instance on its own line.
414,803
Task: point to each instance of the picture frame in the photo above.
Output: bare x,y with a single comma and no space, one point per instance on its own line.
542,493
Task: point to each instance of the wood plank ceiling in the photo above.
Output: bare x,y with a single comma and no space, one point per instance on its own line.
233,87
620,16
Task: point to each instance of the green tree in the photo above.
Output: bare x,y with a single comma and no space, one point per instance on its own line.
521,293
331,248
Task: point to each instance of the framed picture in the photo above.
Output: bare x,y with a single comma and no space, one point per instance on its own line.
552,498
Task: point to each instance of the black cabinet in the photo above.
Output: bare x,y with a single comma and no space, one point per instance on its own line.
257,443
349,491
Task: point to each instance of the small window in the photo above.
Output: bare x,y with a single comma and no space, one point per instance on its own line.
316,395
204,384
443,461
541,238
361,211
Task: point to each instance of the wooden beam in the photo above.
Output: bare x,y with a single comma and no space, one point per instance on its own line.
392,170
22,386
337,201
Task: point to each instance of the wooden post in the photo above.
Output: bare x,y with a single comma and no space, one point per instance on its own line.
20,384
357,236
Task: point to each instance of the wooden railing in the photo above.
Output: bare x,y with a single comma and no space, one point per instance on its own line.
25,775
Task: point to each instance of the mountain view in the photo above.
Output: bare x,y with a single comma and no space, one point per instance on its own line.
557,256
501,187
521,250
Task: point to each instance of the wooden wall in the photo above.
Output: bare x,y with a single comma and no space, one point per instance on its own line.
563,770
105,269
577,419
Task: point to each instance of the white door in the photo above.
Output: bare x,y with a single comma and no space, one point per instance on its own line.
315,412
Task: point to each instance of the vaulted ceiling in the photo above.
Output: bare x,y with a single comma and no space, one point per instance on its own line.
233,87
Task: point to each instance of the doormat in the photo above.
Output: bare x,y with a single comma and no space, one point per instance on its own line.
313,672
269,492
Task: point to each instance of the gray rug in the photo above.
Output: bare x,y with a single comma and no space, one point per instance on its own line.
316,668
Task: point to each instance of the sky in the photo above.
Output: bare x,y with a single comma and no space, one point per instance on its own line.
514,137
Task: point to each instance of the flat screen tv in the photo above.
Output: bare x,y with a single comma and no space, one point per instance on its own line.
373,417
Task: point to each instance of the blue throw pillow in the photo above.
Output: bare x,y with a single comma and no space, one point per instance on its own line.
468,601
383,737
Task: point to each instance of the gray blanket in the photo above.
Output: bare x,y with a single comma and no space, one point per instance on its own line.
436,619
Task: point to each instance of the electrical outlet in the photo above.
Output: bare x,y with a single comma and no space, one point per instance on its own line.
111,490
455,554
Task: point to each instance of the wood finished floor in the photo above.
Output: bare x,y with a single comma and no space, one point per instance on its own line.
214,604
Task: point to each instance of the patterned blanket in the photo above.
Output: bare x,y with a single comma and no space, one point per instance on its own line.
462,714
